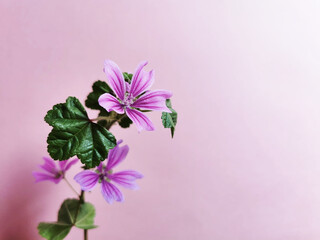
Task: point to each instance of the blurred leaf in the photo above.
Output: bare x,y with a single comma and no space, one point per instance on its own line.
72,213
83,219
54,231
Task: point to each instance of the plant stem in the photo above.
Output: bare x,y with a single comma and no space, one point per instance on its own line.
110,120
100,118
109,125
85,232
81,200
71,187
81,196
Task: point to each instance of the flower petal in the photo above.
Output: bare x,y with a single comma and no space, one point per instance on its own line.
117,194
106,191
70,163
141,120
116,156
128,86
153,100
65,165
49,166
141,80
87,179
126,178
110,103
115,78
110,192
46,177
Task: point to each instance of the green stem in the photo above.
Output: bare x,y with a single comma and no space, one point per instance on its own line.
113,121
81,200
100,118
81,196
71,187
85,231
110,120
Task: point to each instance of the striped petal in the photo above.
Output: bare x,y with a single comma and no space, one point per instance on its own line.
126,178
115,78
153,100
141,80
87,179
110,192
116,156
110,103
141,120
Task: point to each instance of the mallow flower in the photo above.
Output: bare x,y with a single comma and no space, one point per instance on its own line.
52,172
133,97
104,175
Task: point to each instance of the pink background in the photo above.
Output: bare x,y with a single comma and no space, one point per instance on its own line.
246,81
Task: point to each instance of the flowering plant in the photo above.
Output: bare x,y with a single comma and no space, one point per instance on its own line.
123,99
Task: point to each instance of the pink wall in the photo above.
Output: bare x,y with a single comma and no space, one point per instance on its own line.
246,81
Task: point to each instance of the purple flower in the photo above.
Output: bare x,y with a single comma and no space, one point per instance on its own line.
53,172
132,97
104,174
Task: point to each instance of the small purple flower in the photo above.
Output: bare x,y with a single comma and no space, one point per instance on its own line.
104,174
53,172
132,97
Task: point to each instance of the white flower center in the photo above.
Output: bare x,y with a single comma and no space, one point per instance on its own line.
128,100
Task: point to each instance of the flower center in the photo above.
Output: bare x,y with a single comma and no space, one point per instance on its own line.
58,174
128,100
104,176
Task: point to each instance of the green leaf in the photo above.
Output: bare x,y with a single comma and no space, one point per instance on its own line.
127,77
85,217
74,134
169,120
54,231
98,88
72,213
125,122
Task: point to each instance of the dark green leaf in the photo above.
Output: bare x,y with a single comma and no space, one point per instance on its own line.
169,120
65,115
125,122
71,213
74,134
98,88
